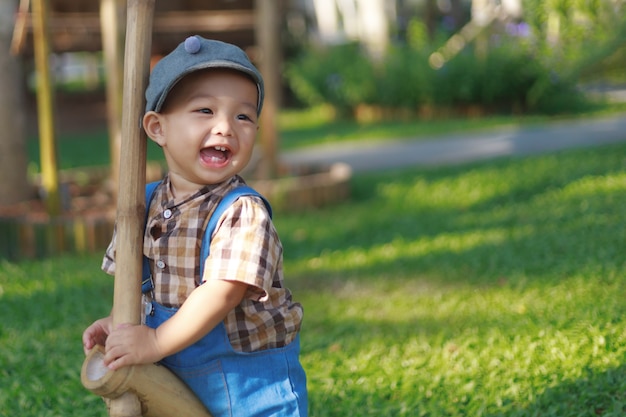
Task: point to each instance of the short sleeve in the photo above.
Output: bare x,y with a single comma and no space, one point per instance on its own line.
245,247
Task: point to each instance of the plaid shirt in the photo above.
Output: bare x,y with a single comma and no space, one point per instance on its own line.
245,247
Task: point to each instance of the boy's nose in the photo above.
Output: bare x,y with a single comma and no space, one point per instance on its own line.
223,126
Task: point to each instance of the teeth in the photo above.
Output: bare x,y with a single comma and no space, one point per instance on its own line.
220,148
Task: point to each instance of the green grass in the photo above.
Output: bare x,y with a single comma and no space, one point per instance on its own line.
309,127
302,128
488,289
491,289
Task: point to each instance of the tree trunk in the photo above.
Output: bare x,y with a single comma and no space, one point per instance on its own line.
430,18
268,40
373,27
457,14
14,185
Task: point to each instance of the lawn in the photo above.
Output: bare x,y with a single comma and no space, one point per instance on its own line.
300,128
487,289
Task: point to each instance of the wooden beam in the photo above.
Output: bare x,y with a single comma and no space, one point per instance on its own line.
199,20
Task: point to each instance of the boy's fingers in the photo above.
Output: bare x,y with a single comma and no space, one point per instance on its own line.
89,341
113,361
116,364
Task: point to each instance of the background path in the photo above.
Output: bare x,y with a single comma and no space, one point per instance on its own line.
458,148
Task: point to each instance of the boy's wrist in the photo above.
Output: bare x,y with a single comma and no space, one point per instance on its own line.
159,345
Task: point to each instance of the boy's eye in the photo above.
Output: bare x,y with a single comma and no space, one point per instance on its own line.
244,117
205,111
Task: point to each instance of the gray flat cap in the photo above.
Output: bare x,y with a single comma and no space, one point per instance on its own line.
194,54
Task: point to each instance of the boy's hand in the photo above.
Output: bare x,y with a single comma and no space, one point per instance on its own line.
96,334
131,345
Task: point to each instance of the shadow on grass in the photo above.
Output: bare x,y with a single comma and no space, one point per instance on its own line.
596,394
535,216
535,222
532,228
418,361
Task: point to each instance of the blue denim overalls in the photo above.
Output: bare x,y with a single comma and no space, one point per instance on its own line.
229,383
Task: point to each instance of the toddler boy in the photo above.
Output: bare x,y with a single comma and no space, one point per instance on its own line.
232,332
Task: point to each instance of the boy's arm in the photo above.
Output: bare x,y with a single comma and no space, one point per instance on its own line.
204,309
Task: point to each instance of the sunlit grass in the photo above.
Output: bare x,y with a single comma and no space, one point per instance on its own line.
44,306
488,289
300,128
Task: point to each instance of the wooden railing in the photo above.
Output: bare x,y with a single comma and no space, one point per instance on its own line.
80,31
25,239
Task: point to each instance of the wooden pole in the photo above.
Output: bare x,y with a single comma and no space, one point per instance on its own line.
112,22
19,30
149,390
160,392
268,38
45,114
131,191
131,203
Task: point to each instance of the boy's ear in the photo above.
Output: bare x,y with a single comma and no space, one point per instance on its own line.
153,127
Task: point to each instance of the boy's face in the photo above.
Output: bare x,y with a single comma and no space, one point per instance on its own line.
206,128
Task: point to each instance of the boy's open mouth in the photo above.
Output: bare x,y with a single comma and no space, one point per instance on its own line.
215,154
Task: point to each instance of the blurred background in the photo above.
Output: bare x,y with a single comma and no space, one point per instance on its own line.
424,55
487,288
364,61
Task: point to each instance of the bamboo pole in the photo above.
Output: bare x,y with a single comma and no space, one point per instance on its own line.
267,29
159,392
131,205
149,390
112,19
49,174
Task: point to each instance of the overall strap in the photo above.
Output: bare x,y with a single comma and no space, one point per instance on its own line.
233,195
146,278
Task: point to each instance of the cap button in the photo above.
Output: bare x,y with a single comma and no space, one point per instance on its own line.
192,45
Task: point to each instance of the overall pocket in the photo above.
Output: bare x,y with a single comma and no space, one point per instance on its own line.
208,382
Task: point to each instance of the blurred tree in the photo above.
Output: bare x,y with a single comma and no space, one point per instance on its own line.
456,13
268,39
575,36
13,161
364,20
430,18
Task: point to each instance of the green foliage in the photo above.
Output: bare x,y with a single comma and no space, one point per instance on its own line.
341,75
577,37
407,79
536,70
508,79
488,289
